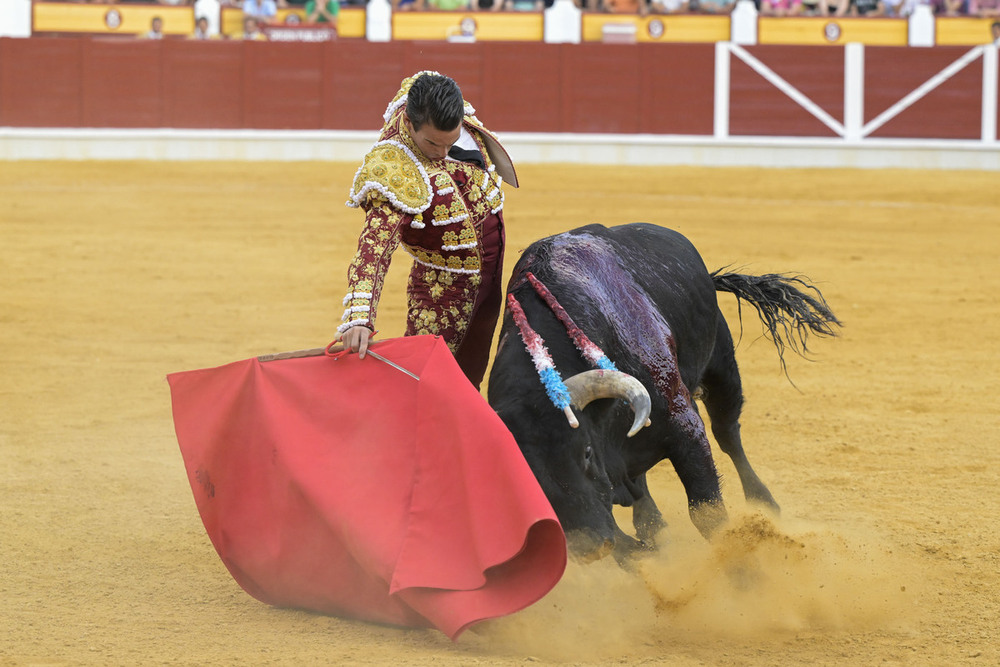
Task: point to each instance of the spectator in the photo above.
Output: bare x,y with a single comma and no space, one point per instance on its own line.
212,11
640,7
953,8
262,10
448,5
984,8
780,7
252,31
407,5
518,5
669,6
905,7
176,3
323,11
995,32
155,29
201,29
712,6
833,7
866,8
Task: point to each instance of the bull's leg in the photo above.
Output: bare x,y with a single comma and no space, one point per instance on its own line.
646,517
696,470
686,445
724,402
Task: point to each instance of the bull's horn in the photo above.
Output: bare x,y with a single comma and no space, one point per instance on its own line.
591,385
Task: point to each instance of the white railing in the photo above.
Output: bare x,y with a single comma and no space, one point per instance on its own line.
853,128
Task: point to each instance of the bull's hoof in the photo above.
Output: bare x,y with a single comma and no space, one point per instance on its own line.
708,518
628,549
586,546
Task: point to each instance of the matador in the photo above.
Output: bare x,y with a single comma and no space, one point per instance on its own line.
432,182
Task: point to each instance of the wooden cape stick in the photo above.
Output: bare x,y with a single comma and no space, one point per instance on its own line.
320,351
295,354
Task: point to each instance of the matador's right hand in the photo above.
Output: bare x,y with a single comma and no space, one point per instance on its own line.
356,339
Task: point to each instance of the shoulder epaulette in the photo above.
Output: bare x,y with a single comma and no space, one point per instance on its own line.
391,169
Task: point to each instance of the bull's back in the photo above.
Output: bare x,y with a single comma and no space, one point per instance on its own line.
663,262
637,287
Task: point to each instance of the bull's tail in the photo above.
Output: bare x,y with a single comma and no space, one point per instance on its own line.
789,314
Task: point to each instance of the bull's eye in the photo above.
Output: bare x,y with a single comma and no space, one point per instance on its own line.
588,456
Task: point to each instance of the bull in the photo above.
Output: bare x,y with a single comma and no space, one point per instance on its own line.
642,294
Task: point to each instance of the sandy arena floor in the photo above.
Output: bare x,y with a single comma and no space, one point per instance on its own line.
885,457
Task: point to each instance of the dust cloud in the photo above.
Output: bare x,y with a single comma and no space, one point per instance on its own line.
760,578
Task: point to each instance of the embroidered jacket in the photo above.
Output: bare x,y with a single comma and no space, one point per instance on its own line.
435,208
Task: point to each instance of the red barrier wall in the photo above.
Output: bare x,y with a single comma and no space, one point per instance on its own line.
516,87
524,87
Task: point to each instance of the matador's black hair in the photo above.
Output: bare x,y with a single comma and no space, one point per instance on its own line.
435,98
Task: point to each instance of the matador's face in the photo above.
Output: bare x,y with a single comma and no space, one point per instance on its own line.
431,141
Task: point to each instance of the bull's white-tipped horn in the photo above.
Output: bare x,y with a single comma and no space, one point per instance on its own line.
570,417
591,385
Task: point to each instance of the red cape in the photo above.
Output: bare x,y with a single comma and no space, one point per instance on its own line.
344,486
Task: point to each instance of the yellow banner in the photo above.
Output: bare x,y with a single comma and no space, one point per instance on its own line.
110,19
832,31
463,26
350,22
128,19
963,31
626,28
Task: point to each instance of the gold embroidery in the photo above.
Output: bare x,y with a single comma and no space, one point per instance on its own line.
394,174
468,235
441,213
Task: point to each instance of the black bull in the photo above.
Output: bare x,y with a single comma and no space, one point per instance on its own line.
642,294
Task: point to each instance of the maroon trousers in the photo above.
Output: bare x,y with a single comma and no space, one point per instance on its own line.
473,354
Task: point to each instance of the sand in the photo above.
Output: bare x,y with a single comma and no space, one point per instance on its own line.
883,454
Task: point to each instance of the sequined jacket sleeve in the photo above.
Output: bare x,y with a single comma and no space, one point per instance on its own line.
366,273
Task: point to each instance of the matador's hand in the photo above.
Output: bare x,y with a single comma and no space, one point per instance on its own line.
356,339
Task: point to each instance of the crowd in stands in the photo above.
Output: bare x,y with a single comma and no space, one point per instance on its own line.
897,8
326,11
